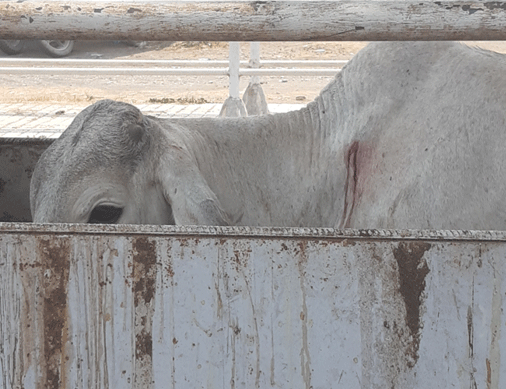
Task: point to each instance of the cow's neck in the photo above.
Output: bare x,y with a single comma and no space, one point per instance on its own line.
251,163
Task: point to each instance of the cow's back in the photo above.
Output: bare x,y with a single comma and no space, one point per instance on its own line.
430,143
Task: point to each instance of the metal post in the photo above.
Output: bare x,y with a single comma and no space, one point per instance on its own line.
233,106
254,60
234,58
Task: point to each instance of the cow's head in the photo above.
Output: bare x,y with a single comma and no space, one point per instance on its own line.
115,165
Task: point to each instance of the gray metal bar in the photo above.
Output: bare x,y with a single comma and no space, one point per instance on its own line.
265,232
161,62
167,71
233,69
116,71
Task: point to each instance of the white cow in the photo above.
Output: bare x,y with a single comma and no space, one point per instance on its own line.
408,135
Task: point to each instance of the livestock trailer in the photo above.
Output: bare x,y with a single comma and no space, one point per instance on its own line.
145,306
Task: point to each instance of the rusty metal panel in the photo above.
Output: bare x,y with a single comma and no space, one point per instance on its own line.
345,20
142,306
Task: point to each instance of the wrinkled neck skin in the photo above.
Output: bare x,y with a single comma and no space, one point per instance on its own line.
400,139
274,170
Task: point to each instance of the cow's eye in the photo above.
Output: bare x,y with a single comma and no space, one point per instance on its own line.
105,214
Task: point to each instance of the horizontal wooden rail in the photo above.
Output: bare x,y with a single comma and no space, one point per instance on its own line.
347,20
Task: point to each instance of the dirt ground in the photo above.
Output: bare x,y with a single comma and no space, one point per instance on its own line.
83,90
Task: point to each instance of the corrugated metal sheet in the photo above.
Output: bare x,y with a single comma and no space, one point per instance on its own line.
151,307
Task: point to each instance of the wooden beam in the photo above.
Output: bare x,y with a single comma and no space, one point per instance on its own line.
347,20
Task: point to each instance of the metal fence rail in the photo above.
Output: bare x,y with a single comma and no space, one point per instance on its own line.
26,62
182,68
167,71
168,67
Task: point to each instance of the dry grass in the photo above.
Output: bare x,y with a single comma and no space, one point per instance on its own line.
179,100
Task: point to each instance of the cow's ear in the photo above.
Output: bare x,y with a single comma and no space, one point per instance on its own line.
135,132
134,128
190,197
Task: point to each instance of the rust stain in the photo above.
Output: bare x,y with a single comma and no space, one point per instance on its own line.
348,243
412,272
470,332
305,357
219,307
25,266
144,276
470,335
241,255
170,270
169,265
237,259
301,251
489,374
183,242
144,262
54,256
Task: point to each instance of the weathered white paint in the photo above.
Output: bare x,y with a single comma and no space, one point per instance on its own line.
167,62
276,20
170,72
233,68
157,307
233,106
254,60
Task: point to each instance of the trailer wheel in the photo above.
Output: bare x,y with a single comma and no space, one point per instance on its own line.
55,48
11,47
